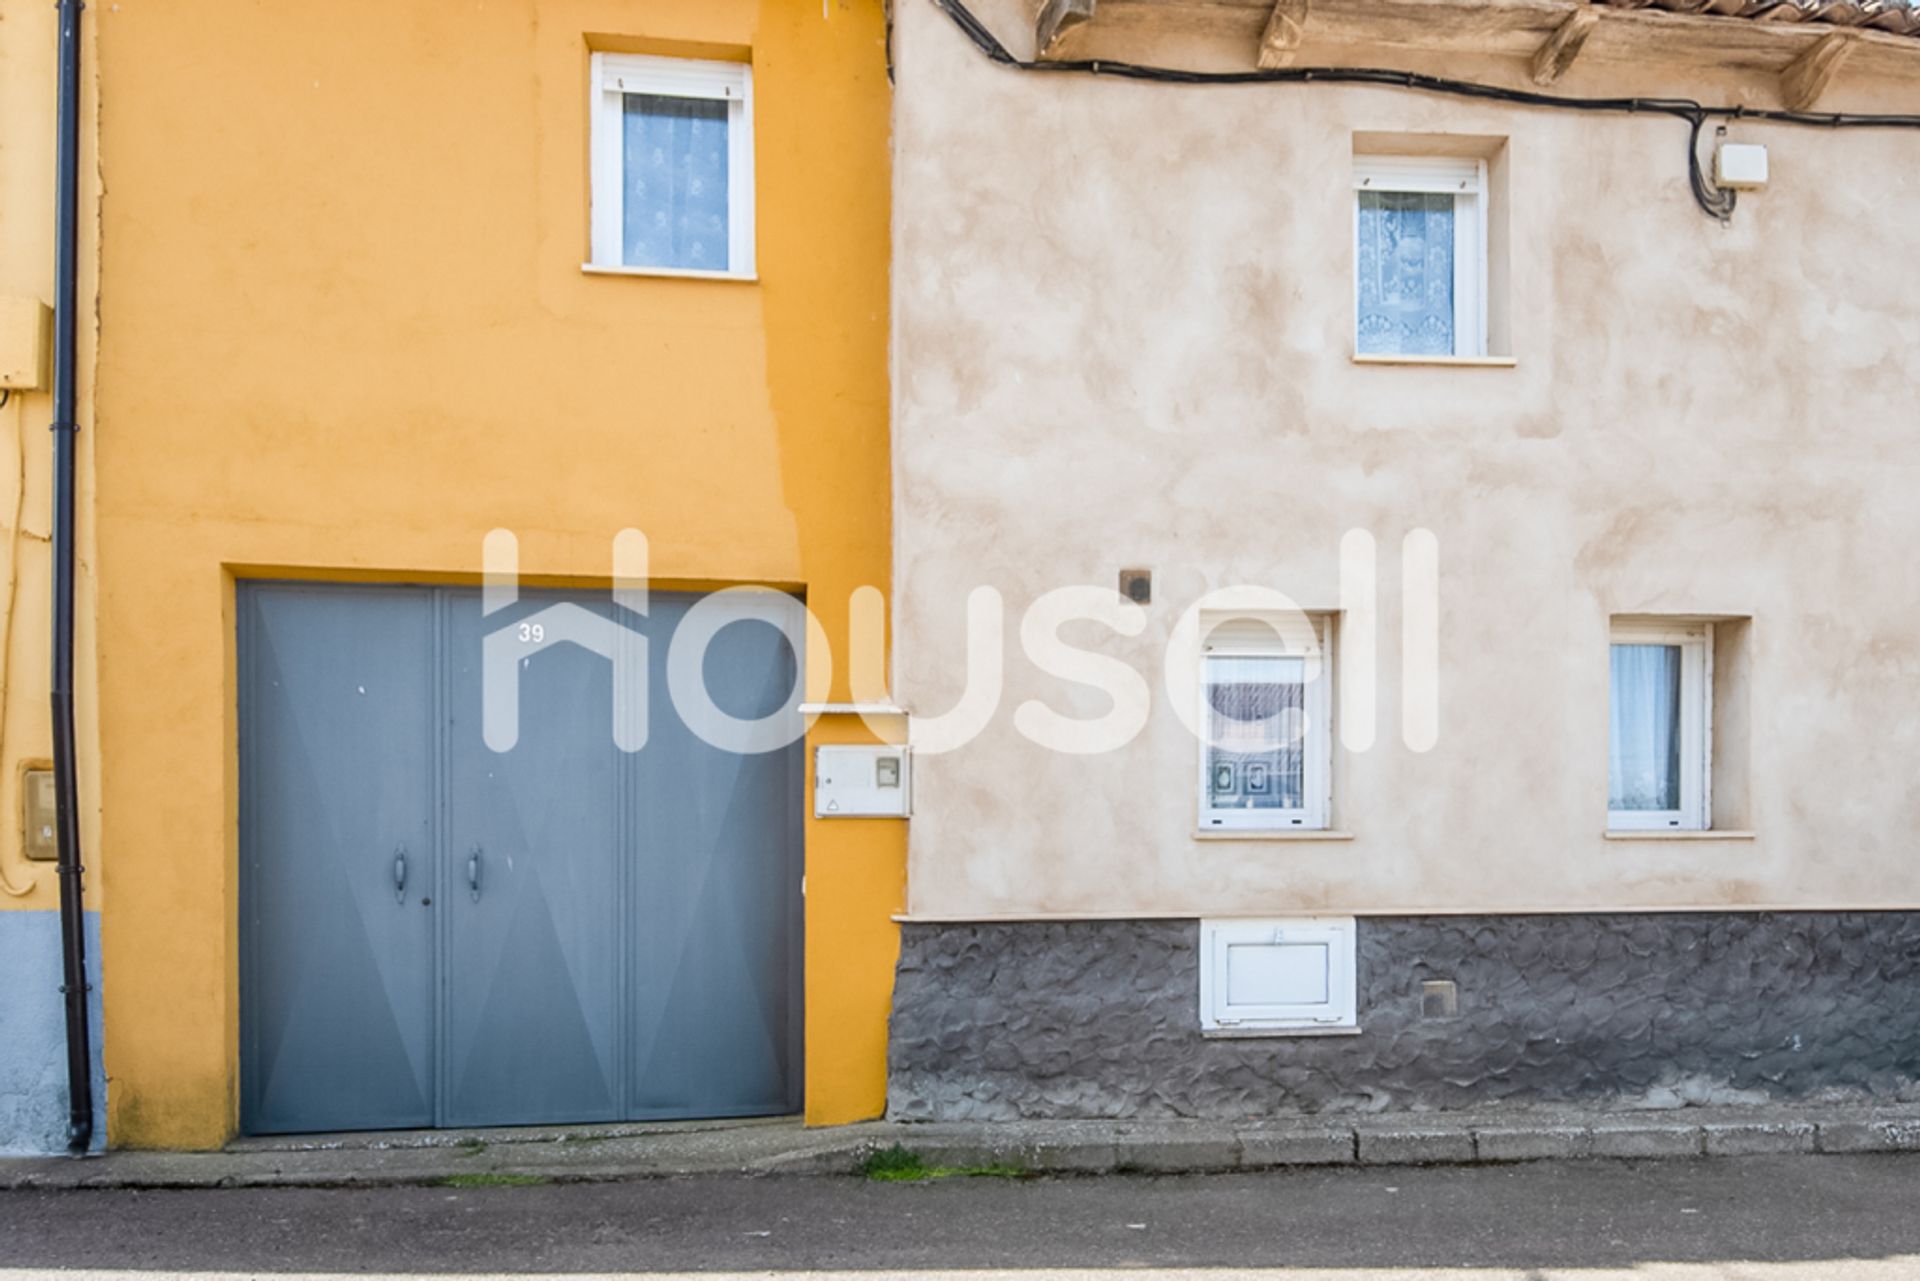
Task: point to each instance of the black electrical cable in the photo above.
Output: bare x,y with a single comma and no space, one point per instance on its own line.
1717,201
1714,200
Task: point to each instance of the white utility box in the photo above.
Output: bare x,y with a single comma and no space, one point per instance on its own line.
1740,165
864,781
1278,977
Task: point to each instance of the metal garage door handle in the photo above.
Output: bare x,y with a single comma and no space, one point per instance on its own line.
473,873
400,875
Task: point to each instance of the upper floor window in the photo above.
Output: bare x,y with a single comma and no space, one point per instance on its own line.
1420,256
672,168
1660,705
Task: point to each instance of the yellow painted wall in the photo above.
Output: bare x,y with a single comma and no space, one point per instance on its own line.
345,331
28,36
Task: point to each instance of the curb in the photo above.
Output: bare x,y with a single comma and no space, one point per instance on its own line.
1029,1147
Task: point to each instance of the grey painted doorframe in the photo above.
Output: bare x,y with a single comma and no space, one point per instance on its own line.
435,933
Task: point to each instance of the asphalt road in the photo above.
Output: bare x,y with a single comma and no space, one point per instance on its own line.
1751,1219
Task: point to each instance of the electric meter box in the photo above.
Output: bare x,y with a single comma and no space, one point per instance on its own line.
864,781
1740,165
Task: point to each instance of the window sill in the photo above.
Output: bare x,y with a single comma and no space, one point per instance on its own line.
1245,1033
1258,834
1458,362
1676,834
669,273
851,709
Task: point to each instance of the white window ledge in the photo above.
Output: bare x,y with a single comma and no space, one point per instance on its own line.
1280,834
851,709
1458,362
1675,834
1247,1033
668,273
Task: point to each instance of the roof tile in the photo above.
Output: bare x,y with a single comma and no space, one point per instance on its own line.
1902,17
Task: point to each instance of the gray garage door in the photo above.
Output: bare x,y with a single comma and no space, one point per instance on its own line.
434,932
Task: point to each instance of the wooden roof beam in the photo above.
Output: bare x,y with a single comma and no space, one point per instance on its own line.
1557,52
1286,27
1805,78
1055,19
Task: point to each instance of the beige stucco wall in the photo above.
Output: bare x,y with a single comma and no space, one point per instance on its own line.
1122,337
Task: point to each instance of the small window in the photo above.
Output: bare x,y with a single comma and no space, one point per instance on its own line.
672,165
1659,726
1420,256
1278,976
1265,715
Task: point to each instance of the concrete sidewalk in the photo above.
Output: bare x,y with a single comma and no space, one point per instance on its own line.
776,1147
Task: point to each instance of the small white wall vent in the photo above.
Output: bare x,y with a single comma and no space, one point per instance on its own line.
1279,977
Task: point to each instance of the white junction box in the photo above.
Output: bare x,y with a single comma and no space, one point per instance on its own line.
862,781
1289,977
1740,165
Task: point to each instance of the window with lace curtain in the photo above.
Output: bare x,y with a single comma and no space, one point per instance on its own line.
1420,256
1265,718
1660,701
672,166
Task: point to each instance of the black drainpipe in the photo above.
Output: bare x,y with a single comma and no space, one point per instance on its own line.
66,783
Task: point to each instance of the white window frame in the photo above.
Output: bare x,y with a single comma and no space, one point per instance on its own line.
1338,1013
1696,725
614,75
1464,179
1250,636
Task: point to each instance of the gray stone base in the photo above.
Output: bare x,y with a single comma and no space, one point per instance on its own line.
1099,1019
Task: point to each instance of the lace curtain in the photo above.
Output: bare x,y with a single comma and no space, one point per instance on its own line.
1406,304
675,173
1256,710
1643,765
